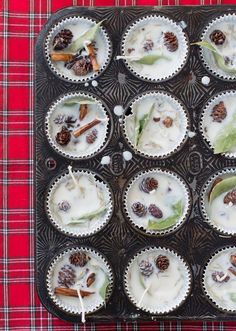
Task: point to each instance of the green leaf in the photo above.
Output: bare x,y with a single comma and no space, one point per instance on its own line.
169,221
226,138
232,296
140,124
103,289
88,216
151,59
88,35
225,185
207,45
75,101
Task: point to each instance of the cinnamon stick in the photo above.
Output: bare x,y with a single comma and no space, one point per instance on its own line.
61,57
70,292
232,270
92,57
83,111
86,127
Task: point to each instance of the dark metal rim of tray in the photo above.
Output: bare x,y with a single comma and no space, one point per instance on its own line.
195,241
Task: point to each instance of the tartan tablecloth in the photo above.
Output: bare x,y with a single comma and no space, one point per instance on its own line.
20,309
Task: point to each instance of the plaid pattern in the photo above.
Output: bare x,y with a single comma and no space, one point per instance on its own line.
20,309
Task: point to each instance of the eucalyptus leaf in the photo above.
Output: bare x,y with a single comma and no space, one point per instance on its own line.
103,289
87,216
232,296
141,123
226,138
88,35
151,59
224,186
169,221
77,100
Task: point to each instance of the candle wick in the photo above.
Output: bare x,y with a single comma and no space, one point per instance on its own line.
82,306
72,175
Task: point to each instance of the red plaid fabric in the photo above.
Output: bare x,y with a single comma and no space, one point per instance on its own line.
20,309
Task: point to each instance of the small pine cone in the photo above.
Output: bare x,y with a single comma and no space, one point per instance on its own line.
171,41
230,197
219,112
146,268
162,262
64,205
219,274
168,121
148,184
139,209
91,137
66,276
233,259
148,45
82,66
79,259
217,37
62,39
63,137
155,211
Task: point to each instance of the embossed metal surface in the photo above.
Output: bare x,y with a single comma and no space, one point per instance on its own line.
195,240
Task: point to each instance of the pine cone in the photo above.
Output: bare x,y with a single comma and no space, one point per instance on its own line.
82,66
148,184
171,41
63,137
233,259
230,197
217,37
155,211
148,45
162,262
62,39
64,205
92,136
66,276
219,274
79,259
168,121
139,209
219,112
146,268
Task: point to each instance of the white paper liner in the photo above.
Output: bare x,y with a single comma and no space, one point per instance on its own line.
204,199
77,230
206,54
63,150
94,254
187,199
208,295
182,40
187,285
184,120
103,60
209,105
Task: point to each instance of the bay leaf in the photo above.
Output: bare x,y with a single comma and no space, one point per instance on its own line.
224,186
232,296
151,59
103,288
87,216
226,138
77,100
141,123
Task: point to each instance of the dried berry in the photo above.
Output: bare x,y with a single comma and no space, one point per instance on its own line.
217,37
63,137
220,277
162,262
171,41
70,121
59,119
91,279
233,259
79,259
66,276
92,136
168,121
230,197
148,184
139,209
146,268
130,50
155,211
219,112
156,119
62,39
64,205
148,45
82,66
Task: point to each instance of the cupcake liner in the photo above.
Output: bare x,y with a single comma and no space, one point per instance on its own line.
187,207
93,253
82,154
204,275
206,57
77,230
213,100
187,283
203,199
182,39
184,120
67,74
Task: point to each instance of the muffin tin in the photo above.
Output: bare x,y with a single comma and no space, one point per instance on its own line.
117,163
